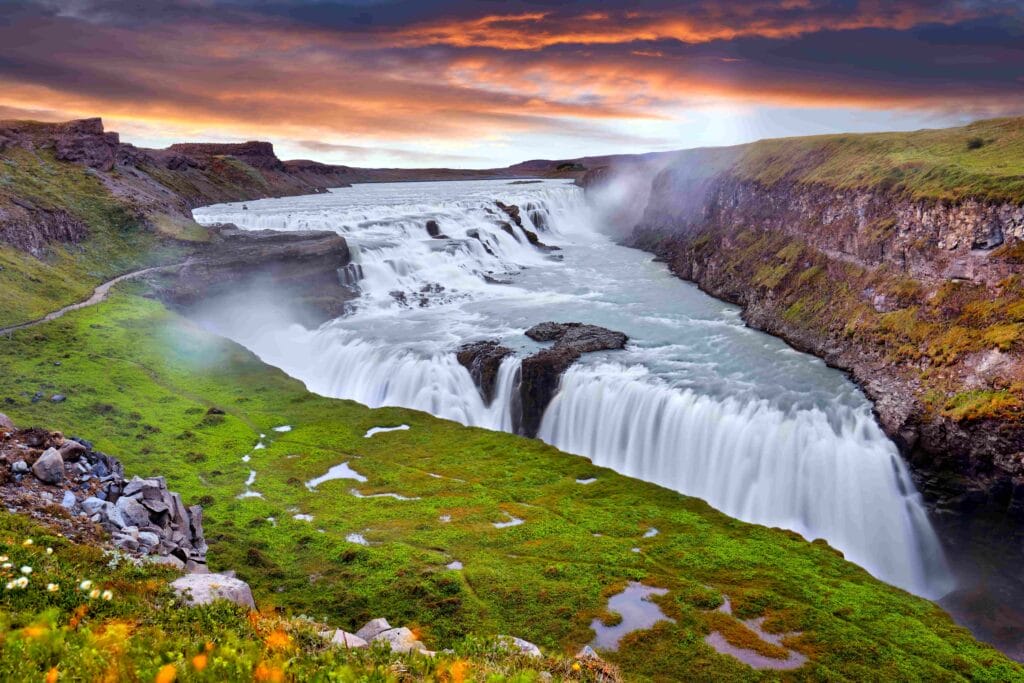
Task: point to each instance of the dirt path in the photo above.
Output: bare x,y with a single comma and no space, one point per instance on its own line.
98,295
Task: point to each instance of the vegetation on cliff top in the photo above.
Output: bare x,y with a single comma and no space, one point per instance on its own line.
983,160
141,381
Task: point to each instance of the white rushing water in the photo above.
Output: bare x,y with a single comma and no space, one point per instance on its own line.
697,402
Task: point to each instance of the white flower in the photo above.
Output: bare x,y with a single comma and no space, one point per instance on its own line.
21,582
52,587
94,593
10,585
4,558
107,595
6,565
49,551
26,570
27,542
85,585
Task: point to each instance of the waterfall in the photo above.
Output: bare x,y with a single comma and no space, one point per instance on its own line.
692,404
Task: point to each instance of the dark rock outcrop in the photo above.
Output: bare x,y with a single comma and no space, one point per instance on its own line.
483,359
541,372
254,153
301,266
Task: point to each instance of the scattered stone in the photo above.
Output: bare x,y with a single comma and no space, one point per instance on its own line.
587,653
72,450
49,468
344,639
203,589
373,628
520,645
400,639
20,467
169,560
6,424
58,398
69,501
132,511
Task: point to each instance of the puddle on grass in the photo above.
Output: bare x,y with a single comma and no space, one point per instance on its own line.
357,538
397,496
378,430
512,521
249,493
793,660
303,518
283,428
638,614
342,471
454,565
651,533
589,480
444,518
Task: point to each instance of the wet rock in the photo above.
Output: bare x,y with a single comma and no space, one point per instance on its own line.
373,628
49,468
541,372
512,211
434,230
203,589
483,360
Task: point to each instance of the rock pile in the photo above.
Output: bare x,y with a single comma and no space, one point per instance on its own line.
40,469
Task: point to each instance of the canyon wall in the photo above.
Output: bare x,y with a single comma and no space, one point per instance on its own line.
920,299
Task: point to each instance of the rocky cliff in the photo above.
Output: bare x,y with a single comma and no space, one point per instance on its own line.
912,284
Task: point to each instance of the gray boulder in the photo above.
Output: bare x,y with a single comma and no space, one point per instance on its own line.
19,467
399,639
344,639
69,501
6,424
169,560
202,589
92,505
49,468
373,628
134,513
520,645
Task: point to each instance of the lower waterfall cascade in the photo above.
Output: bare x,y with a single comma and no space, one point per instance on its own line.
697,402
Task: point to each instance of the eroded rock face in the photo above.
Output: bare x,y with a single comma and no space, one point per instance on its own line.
541,372
483,359
300,266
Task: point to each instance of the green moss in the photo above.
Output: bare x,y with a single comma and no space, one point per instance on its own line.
983,404
128,365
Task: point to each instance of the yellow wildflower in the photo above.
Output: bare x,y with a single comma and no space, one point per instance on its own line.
576,666
52,675
278,640
27,542
199,662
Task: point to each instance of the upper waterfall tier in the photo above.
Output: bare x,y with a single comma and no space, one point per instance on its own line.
696,402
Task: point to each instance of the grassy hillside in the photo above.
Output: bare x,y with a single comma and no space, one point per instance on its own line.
117,239
140,381
983,160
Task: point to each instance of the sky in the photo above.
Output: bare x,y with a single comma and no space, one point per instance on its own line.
487,83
